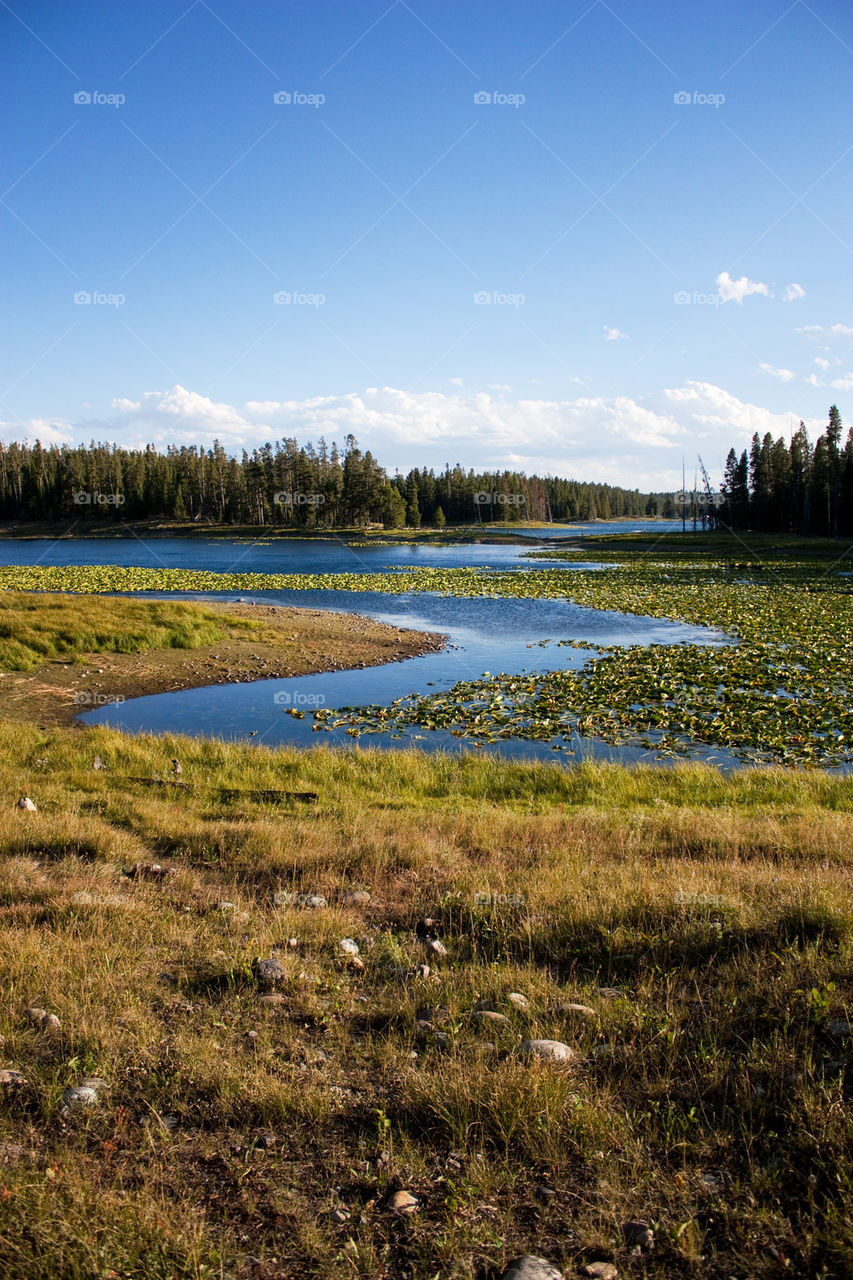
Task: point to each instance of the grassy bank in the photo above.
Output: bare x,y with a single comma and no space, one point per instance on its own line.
704,923
61,654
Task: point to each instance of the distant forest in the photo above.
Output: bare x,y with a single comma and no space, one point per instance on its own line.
792,488
285,484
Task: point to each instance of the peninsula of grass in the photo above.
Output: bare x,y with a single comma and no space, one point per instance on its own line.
63,654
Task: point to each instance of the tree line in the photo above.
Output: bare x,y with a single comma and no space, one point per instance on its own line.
285,484
793,487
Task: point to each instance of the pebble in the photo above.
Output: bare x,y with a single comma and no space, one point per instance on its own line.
26,804
489,1016
11,1080
609,993
435,947
548,1050
403,1202
840,1027
340,1215
358,898
601,1270
42,1020
349,946
581,1010
639,1233
270,971
80,1096
531,1267
518,1001
314,901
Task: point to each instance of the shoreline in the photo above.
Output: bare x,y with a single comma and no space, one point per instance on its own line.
293,642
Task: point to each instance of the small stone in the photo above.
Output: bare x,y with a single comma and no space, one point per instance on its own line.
269,971
35,1015
435,947
489,1016
80,1096
609,993
26,804
840,1027
50,1024
571,1009
545,1193
531,1267
358,898
422,971
403,1202
292,944
225,906
518,1001
11,1080
601,1270
548,1050
356,963
314,901
340,1215
349,946
639,1233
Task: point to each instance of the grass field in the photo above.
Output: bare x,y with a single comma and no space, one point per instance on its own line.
688,936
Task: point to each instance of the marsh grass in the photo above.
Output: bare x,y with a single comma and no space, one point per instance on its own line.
709,1096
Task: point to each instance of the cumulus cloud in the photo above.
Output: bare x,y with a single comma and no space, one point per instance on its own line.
613,335
827,331
47,430
784,375
636,443
793,292
845,383
821,363
736,290
814,380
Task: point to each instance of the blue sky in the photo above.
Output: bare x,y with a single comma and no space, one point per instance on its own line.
581,274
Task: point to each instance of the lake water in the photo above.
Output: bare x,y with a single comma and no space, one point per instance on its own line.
504,635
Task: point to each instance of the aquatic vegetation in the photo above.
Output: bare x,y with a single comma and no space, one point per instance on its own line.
782,690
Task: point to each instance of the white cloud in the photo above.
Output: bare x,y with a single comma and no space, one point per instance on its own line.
821,363
499,386
845,383
457,382
637,443
613,335
793,292
736,290
815,380
784,375
47,430
823,331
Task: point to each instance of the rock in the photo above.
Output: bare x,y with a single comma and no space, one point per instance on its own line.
601,1270
639,1234
80,1096
358,898
518,1001
292,944
50,1024
531,1267
34,1015
340,1215
403,1202
840,1027
269,971
42,1020
435,947
225,906
548,1050
12,1080
571,1009
313,901
422,971
272,998
356,963
349,946
544,1193
26,804
609,993
490,1017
